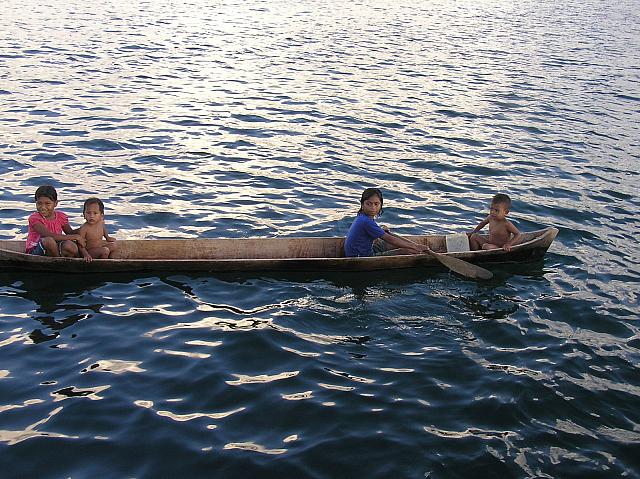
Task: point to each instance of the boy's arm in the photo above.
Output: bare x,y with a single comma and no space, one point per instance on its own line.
82,247
44,232
84,253
105,233
482,224
514,238
72,235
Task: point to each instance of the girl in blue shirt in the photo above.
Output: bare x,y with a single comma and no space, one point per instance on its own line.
363,238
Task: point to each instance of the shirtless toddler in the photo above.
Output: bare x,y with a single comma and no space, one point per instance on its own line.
502,233
94,230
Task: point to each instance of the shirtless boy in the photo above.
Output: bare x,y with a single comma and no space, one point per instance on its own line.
502,233
94,230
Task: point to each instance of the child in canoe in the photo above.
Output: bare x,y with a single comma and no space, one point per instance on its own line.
49,232
94,230
502,233
366,238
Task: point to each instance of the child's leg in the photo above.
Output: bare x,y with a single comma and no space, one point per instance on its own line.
380,247
490,246
112,247
68,249
100,252
50,246
476,241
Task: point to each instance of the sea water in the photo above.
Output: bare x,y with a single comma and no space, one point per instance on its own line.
268,119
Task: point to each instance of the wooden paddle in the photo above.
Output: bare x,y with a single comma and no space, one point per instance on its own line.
456,265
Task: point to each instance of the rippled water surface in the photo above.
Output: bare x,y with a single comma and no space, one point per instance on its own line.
269,118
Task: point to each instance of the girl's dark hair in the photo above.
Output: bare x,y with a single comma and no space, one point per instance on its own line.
47,191
368,193
93,201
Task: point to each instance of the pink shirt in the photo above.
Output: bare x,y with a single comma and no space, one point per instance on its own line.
55,226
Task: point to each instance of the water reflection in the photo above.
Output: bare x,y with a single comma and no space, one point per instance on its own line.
76,392
114,366
298,396
28,402
253,447
50,295
67,300
260,379
59,301
197,415
16,436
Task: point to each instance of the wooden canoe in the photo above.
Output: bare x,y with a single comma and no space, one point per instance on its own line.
262,254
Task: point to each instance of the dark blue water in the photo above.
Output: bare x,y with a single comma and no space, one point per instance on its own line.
265,118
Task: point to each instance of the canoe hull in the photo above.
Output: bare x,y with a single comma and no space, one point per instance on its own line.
260,254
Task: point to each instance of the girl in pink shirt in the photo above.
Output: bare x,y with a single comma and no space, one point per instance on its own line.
49,232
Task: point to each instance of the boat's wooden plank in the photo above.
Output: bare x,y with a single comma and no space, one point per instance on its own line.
261,254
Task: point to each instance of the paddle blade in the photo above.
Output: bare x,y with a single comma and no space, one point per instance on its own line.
463,268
